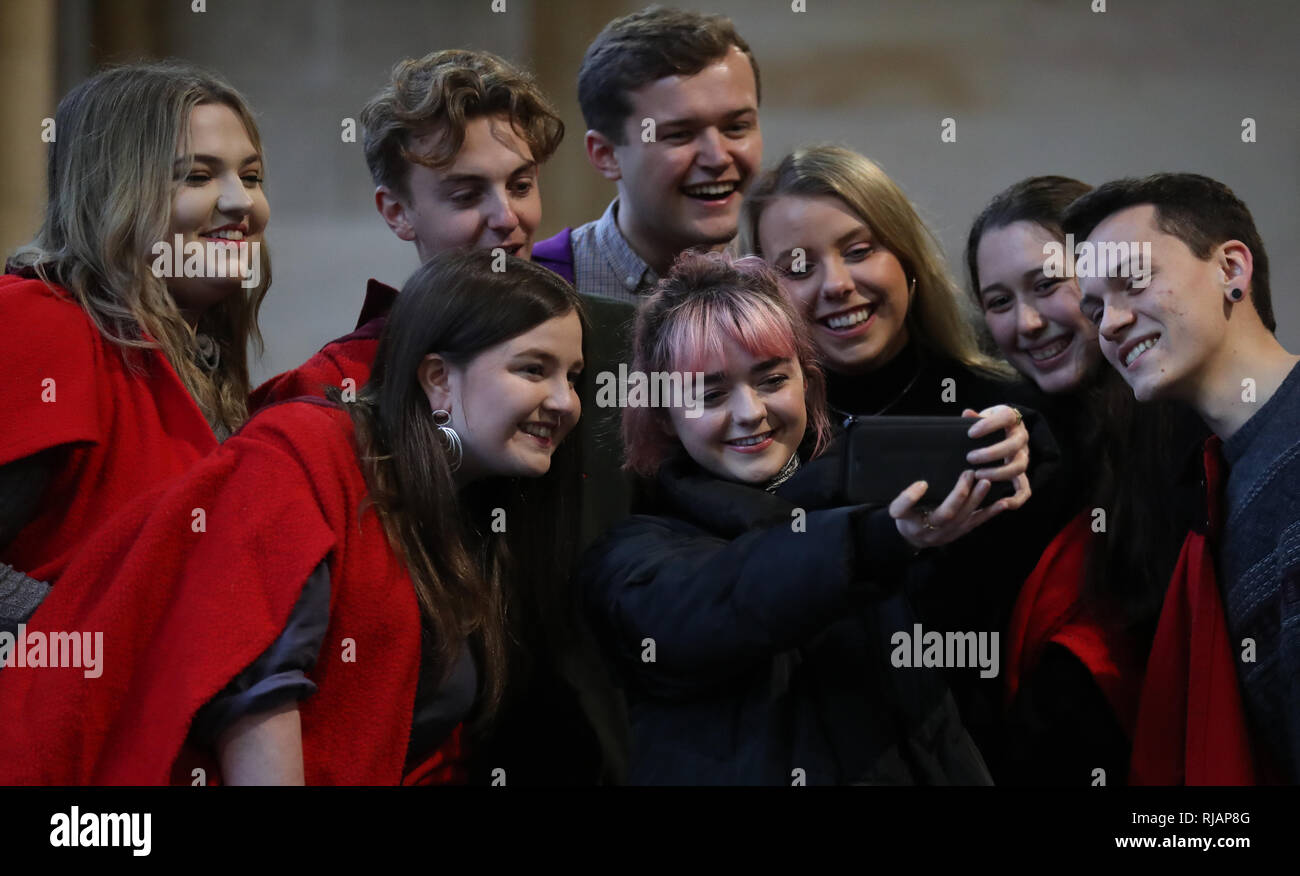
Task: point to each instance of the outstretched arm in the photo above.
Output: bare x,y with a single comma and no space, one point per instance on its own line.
714,607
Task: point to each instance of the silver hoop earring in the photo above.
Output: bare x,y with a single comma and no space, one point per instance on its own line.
455,450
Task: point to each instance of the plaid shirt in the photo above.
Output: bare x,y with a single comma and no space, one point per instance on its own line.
604,263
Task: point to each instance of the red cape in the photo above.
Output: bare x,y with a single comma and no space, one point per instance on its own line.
183,612
1191,726
65,385
347,357
1184,712
1050,608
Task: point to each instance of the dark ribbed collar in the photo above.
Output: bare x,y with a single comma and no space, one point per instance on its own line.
876,391
728,508
1278,418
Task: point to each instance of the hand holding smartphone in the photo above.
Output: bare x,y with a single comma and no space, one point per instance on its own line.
887,455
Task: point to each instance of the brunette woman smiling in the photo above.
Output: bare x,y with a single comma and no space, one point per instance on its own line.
1083,626
341,609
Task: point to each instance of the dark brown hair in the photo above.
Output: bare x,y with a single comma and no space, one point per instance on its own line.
1201,212
438,95
1039,199
466,577
644,47
1126,446
1134,453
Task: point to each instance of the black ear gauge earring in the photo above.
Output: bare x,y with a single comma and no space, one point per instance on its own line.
1235,294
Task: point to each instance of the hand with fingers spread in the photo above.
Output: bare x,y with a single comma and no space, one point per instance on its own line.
1012,452
957,515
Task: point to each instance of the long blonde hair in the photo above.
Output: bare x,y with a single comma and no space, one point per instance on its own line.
110,181
939,317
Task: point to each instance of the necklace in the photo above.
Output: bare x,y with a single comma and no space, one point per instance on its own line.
787,471
848,418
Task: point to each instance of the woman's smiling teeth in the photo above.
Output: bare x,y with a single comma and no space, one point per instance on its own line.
229,234
751,440
1047,351
537,430
849,319
1139,349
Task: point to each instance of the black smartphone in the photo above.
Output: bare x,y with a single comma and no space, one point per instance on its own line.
886,455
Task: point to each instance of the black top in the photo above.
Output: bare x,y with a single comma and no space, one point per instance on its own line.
991,562
754,644
915,383
970,585
561,721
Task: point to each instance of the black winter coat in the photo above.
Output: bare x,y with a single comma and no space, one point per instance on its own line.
755,650
971,584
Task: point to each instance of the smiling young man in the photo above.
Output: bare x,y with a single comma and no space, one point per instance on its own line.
454,144
670,99
1200,331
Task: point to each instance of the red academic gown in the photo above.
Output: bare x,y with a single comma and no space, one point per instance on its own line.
347,357
65,385
1191,726
187,600
1183,711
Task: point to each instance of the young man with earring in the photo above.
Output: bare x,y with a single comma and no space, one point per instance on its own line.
1196,325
